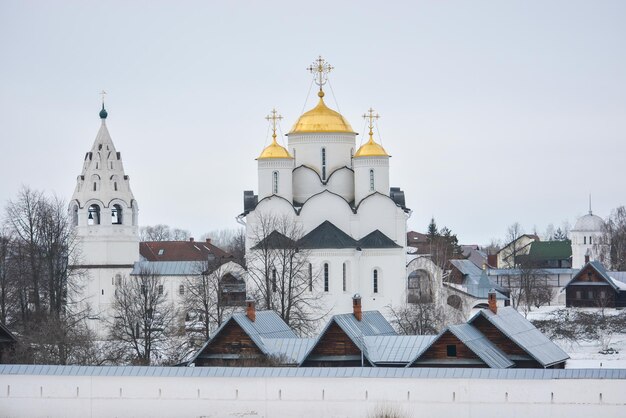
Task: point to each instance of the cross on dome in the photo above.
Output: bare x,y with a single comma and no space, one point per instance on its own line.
371,116
103,112
320,69
274,118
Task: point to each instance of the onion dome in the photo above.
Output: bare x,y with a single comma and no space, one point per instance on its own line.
321,119
589,222
103,112
274,150
371,148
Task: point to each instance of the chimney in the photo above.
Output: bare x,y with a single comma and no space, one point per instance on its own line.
208,240
250,310
356,307
190,239
491,298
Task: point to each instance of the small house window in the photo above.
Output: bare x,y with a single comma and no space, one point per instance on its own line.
275,182
590,240
371,180
590,294
375,280
579,294
602,295
161,251
584,240
181,290
160,289
451,350
326,277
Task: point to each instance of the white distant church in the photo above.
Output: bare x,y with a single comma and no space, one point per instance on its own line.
338,194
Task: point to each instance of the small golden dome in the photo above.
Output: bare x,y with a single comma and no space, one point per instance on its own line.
274,150
321,119
371,149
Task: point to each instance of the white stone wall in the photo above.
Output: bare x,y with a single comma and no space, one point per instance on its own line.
362,181
267,168
101,396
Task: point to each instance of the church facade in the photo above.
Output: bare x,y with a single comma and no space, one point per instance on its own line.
338,195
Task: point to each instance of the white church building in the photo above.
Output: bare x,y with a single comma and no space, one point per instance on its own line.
339,196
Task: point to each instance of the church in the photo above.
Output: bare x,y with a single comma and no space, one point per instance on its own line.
337,195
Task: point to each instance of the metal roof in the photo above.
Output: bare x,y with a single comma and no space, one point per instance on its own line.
396,348
266,325
168,268
466,267
601,270
516,272
481,346
512,324
372,323
313,372
292,350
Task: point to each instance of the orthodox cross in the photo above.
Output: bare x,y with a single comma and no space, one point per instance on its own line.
371,116
103,93
273,118
320,69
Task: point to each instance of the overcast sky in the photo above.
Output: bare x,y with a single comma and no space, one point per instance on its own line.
493,111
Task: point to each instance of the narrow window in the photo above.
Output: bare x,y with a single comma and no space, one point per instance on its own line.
94,215
371,180
451,350
273,280
590,241
181,290
324,164
375,280
325,277
144,289
116,215
75,215
579,294
160,289
584,240
310,277
115,186
111,165
275,182
118,279
602,295
590,295
294,156
95,186
344,277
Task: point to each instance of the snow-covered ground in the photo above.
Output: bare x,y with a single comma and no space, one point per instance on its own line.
586,354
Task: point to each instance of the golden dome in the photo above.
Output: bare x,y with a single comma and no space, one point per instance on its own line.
371,149
274,150
321,119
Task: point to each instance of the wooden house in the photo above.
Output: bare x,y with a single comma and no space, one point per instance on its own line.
594,287
7,343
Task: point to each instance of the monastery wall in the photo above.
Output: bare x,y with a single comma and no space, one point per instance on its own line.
175,392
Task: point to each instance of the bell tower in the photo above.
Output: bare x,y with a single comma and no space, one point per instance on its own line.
103,208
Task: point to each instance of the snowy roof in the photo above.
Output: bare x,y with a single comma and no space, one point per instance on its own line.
313,372
512,324
396,348
609,277
589,222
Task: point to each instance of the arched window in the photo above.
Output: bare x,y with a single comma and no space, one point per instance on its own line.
310,277
75,215
181,289
116,214
323,163
293,151
273,280
94,215
351,156
371,180
344,277
375,280
115,186
275,182
326,281
95,186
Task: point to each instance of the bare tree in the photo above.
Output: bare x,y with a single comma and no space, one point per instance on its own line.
281,273
530,287
162,232
232,241
613,246
143,320
417,318
513,249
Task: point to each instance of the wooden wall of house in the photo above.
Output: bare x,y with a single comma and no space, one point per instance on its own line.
439,351
334,342
231,340
455,276
590,296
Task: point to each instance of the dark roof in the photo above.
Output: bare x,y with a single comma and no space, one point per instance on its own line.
327,235
523,333
414,238
6,336
275,240
180,251
602,272
377,239
550,250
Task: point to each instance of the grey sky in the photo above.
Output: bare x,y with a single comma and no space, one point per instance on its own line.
494,111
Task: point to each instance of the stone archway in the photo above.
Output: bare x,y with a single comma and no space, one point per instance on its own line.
423,281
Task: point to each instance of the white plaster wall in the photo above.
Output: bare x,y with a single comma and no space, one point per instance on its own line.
266,170
96,396
362,167
326,207
580,247
306,183
307,150
380,212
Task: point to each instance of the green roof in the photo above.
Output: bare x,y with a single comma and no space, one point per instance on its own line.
550,250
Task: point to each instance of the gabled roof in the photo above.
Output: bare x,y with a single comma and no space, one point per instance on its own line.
327,235
6,336
180,251
372,323
512,324
267,325
602,272
476,342
550,250
466,267
476,282
377,239
291,350
275,240
396,349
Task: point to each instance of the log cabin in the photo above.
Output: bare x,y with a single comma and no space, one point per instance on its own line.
594,287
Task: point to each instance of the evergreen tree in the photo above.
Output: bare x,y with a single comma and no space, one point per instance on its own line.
559,235
432,233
